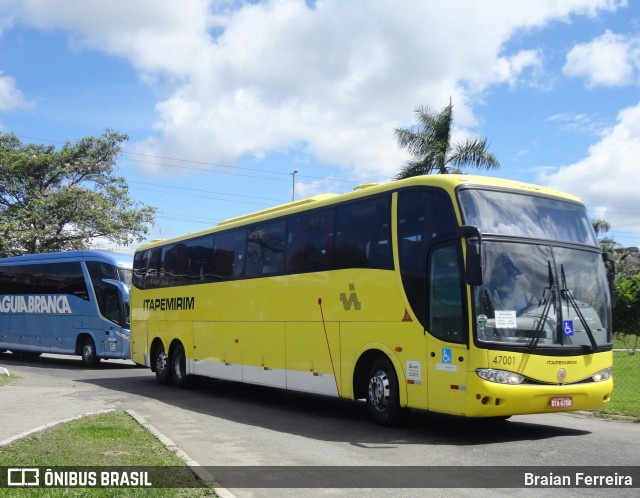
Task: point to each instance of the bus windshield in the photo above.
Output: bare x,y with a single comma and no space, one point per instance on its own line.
539,295
517,215
125,275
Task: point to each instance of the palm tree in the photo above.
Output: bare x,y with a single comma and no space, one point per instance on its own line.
601,227
431,146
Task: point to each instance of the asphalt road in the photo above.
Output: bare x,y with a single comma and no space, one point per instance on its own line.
226,424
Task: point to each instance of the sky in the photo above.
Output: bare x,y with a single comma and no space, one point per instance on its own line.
223,100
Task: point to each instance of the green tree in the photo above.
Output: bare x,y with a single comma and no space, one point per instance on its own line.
627,259
430,145
56,200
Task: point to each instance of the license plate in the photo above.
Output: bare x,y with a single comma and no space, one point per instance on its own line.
564,402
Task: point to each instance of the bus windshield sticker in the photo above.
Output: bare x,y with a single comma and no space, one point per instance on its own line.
446,367
567,326
447,361
446,355
506,319
414,374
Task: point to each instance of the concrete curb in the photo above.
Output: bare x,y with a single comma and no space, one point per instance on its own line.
49,426
197,469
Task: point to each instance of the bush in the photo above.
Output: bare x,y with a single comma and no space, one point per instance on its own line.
626,314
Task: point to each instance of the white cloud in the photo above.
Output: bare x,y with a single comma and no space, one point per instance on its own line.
580,123
336,81
511,69
331,80
11,97
167,37
608,178
609,60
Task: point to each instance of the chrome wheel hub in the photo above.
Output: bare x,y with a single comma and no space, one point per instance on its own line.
379,391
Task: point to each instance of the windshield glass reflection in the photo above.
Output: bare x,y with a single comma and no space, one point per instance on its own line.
538,296
520,215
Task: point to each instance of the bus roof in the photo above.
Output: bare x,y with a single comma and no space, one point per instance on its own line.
119,259
447,182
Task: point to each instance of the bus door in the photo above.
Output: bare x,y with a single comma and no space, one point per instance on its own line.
113,302
447,353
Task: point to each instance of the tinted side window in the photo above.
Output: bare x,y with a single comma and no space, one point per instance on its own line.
199,260
265,249
172,265
363,234
228,254
110,305
310,241
97,272
152,278
423,215
140,267
446,316
47,278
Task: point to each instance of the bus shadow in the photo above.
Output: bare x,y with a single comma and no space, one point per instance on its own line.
62,362
330,419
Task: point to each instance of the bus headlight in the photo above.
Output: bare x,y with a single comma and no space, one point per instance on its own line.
602,375
499,376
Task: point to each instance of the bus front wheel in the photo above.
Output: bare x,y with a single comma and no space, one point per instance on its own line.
88,352
163,371
179,367
382,392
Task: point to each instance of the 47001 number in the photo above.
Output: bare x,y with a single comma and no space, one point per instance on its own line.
504,360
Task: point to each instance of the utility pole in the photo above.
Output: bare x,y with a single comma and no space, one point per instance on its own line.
293,184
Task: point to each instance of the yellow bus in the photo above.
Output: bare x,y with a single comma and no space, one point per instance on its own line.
457,294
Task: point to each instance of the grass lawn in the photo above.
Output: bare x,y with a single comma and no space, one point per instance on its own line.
625,399
4,380
101,442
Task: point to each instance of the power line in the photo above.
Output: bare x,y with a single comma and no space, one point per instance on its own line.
187,218
243,168
214,165
204,197
203,190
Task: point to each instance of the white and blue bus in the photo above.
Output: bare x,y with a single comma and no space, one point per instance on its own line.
74,302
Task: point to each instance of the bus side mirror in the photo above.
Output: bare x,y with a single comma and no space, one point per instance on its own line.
473,258
610,265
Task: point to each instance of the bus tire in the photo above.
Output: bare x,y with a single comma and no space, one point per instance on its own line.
383,400
179,367
88,352
163,369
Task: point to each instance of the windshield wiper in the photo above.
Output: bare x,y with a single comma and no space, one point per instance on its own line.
566,294
551,299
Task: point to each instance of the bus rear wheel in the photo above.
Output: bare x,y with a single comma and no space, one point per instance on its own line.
163,371
179,367
383,400
88,352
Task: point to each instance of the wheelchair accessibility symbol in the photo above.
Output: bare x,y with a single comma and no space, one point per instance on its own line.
446,355
567,327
